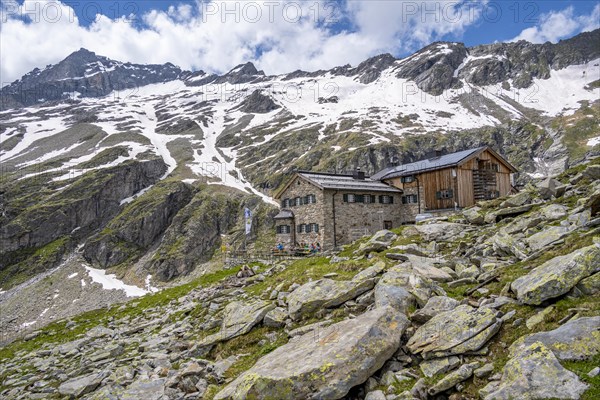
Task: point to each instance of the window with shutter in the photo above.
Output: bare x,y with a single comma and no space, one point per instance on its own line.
316,228
444,194
279,229
360,198
345,198
351,198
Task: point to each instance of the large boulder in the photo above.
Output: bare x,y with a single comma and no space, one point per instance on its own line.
378,242
496,216
440,231
578,339
550,187
453,378
557,276
592,172
589,285
436,305
517,200
534,373
505,244
81,385
426,267
405,277
238,319
553,212
324,366
324,293
546,237
462,330
474,215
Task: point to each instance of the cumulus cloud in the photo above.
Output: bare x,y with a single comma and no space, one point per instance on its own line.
557,25
278,36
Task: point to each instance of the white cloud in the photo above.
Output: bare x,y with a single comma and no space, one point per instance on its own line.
278,36
557,25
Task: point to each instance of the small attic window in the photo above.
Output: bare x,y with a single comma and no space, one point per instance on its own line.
298,181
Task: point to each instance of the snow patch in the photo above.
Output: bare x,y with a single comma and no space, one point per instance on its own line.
73,275
149,286
592,142
110,282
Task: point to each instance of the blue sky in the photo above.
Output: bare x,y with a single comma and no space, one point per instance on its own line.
503,20
278,36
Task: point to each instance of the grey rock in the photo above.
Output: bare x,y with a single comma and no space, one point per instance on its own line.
592,172
484,371
550,188
145,388
276,317
343,355
557,276
324,293
439,365
547,236
376,395
474,215
435,306
458,331
81,385
404,276
378,242
517,200
578,339
553,212
441,231
505,244
238,319
452,379
590,285
534,373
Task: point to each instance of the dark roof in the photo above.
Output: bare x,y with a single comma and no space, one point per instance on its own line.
346,182
284,214
431,164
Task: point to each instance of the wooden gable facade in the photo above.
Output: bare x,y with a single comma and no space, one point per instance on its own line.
482,175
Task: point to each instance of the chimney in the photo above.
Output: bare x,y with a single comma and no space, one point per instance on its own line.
359,175
434,154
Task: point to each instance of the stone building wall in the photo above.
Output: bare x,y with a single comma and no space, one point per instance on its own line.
306,213
287,239
355,220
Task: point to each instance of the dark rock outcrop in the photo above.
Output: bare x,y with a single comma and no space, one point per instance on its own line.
139,225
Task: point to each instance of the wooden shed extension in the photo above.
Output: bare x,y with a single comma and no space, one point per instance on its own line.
453,180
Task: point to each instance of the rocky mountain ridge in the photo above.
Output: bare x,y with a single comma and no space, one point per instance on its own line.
435,68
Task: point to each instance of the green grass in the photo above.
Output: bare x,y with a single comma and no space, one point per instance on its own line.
581,368
303,270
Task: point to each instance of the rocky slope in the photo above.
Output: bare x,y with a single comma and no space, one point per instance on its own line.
498,302
146,169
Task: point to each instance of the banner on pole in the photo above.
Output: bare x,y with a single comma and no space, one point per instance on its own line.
248,218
